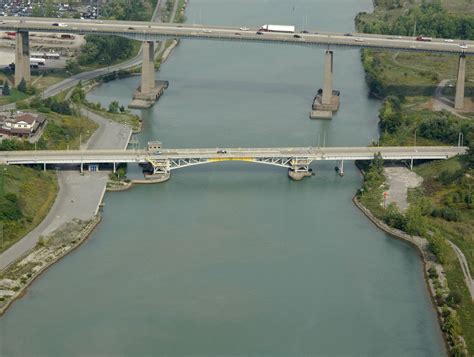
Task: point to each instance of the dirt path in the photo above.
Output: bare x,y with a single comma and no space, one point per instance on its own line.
464,267
400,179
440,102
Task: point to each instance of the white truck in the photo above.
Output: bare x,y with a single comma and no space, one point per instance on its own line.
38,61
277,28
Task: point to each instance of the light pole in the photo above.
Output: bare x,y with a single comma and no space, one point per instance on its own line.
414,141
67,142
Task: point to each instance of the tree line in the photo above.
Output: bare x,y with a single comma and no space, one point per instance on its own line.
427,19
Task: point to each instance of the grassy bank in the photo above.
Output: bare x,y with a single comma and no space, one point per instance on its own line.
447,196
441,209
28,195
126,118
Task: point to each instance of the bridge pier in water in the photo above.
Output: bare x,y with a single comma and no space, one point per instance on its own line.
327,101
149,90
459,97
300,169
22,57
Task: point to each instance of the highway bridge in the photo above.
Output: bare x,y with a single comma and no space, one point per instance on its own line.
149,32
296,159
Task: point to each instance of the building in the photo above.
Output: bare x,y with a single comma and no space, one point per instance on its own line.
22,125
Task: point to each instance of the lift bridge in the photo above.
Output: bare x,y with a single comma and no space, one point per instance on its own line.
296,159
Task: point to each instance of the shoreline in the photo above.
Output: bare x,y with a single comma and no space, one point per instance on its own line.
424,255
85,234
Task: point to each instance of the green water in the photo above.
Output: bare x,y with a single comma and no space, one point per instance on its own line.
234,258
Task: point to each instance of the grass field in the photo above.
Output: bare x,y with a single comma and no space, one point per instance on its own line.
35,190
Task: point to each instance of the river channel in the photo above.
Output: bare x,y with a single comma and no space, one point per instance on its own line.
234,258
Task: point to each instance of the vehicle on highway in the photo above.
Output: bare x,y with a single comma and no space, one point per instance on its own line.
423,38
244,28
296,35
131,28
304,31
277,28
463,45
207,31
58,24
358,39
448,40
259,33
347,34
238,34
222,151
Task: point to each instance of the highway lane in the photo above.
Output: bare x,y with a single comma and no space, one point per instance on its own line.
153,31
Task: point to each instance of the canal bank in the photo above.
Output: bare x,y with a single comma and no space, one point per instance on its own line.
209,263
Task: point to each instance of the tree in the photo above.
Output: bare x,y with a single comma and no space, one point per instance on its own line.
377,163
122,109
72,66
114,107
22,86
6,88
78,95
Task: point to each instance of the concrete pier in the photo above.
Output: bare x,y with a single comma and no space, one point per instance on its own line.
327,99
298,175
459,98
150,90
22,57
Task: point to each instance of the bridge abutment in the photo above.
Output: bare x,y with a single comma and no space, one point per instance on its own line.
150,90
22,57
459,97
327,100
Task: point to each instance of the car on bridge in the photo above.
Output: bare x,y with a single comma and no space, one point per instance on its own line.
222,151
463,45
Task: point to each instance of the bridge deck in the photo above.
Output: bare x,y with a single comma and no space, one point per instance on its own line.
217,154
150,31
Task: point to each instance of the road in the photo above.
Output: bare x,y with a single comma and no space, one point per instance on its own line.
245,154
151,31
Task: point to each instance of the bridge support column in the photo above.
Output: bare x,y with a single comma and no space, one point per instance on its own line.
115,168
44,167
326,101
459,98
148,68
411,164
328,72
150,90
22,57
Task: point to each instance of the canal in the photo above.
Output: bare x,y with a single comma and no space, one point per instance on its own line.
234,258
